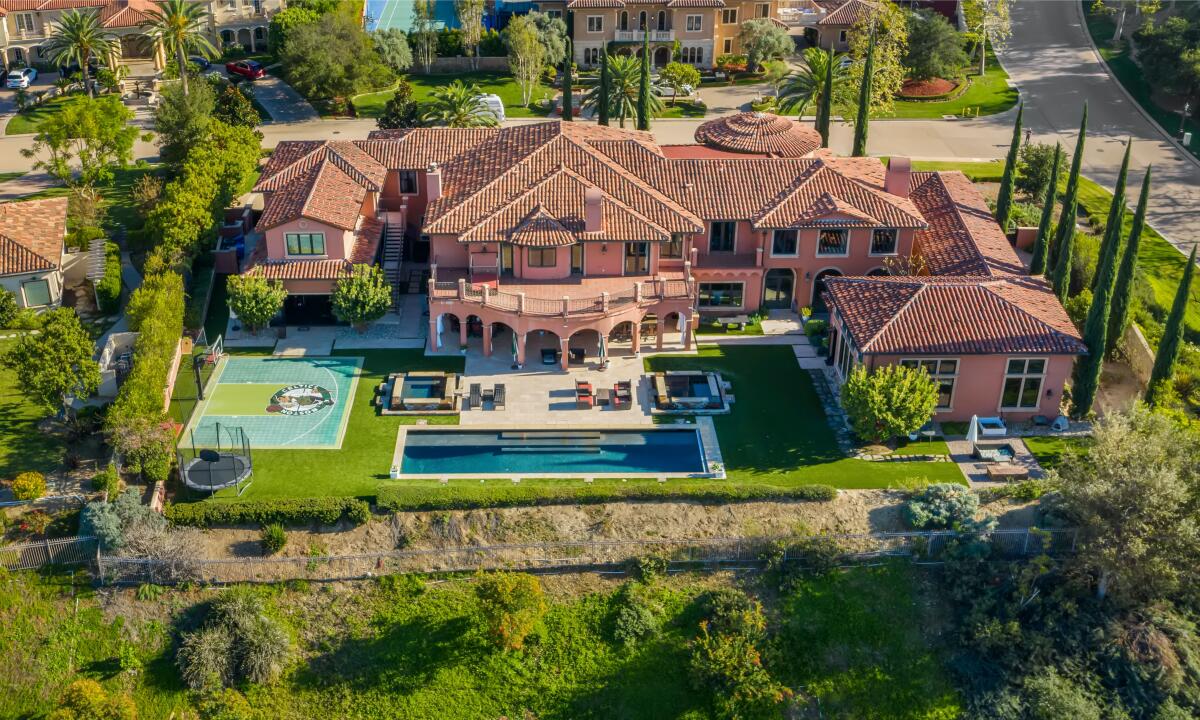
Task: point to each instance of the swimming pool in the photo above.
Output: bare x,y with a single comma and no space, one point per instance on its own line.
625,453
422,388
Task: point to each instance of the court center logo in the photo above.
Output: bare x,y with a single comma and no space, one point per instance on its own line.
300,400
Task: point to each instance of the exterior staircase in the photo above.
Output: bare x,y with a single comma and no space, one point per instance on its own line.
393,260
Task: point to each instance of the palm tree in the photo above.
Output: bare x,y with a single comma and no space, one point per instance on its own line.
78,38
624,80
804,87
180,26
459,106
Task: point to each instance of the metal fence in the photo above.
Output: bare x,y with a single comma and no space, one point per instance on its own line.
63,551
719,553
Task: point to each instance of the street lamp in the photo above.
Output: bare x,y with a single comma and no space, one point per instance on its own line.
1183,116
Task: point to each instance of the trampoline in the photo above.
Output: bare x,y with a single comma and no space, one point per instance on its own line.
220,459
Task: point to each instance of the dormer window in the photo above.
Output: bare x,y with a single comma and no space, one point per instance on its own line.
883,241
408,182
833,241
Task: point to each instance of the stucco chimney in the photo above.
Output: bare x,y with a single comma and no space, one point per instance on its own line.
433,182
593,218
899,176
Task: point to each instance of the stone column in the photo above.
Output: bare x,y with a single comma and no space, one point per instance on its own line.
637,337
687,333
565,356
521,348
462,332
487,339
435,340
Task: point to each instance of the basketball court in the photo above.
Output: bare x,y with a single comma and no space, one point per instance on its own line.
398,14
281,402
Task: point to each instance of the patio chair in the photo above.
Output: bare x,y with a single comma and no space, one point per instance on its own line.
549,356
583,386
584,400
498,397
475,398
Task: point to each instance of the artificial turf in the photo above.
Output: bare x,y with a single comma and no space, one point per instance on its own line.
22,446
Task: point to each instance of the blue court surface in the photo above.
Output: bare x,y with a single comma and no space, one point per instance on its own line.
281,402
398,14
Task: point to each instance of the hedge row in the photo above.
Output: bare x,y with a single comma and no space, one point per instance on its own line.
285,511
465,497
108,290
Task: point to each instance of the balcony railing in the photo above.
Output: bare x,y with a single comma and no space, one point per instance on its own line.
641,294
636,35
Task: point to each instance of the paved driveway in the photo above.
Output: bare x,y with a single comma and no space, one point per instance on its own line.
284,104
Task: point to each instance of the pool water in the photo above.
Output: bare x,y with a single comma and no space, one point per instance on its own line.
568,452
421,389
700,387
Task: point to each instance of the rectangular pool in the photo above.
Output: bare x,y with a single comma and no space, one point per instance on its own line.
422,388
553,452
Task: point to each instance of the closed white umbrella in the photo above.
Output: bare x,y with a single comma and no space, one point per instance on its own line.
514,345
973,431
439,331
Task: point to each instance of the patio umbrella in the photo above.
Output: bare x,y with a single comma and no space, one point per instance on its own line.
439,332
514,345
973,431
602,350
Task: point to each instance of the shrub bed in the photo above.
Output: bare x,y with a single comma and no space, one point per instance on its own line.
282,511
933,91
466,497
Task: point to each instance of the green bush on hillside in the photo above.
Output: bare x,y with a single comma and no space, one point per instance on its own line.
283,511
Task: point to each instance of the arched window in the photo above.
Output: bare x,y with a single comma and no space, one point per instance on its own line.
624,20
662,20
260,33
642,20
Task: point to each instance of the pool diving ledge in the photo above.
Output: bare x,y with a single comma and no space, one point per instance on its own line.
675,451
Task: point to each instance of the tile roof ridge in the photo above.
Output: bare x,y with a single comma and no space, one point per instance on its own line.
997,282
535,185
920,290
289,172
954,208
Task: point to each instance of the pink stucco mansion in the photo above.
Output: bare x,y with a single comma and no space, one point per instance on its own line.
554,235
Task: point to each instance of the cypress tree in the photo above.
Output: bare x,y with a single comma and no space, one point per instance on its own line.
1095,334
1037,266
643,101
1111,243
864,102
1123,291
602,100
1004,200
568,102
1168,347
1066,221
1062,266
825,107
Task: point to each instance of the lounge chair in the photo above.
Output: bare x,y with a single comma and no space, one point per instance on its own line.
584,401
475,398
498,397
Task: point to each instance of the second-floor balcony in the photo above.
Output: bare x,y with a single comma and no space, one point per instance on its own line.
33,34
637,35
564,298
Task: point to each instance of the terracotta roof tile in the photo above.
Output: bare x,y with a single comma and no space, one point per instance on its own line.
125,13
760,133
953,315
366,246
849,13
577,4
31,235
541,229
963,237
324,193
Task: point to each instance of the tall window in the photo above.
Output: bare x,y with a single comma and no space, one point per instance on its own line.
1023,384
883,241
721,295
692,55
845,354
785,243
673,248
305,243
25,22
721,238
728,45
764,10
37,293
595,23
833,242
637,258
577,259
624,20
408,182
944,373
591,56
542,257
695,23
729,16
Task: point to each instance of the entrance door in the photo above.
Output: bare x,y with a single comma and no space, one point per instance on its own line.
778,288
506,259
637,258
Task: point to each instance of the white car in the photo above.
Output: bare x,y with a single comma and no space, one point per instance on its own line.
22,78
668,91
495,104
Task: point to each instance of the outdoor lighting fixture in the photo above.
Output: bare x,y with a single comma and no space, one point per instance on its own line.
604,248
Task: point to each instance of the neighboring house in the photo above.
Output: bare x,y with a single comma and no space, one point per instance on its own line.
31,250
833,30
568,230
26,25
826,23
704,29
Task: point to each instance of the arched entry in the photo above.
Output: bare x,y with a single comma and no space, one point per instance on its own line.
543,348
662,56
642,20
818,303
17,56
136,46
243,38
584,345
445,329
779,287
227,38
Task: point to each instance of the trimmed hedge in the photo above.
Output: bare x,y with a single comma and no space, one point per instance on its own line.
108,290
283,511
467,497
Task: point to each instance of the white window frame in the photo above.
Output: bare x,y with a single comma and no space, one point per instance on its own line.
728,46
829,255
938,375
49,292
591,56
25,22
694,23
785,255
764,11
595,23
895,245
729,13
1024,376
739,306
324,245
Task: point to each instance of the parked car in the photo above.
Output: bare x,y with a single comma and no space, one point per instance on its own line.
668,91
22,78
199,61
495,104
72,68
249,69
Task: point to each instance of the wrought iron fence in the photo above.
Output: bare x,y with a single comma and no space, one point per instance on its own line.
61,551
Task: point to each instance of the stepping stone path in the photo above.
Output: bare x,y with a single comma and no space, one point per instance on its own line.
904,458
833,409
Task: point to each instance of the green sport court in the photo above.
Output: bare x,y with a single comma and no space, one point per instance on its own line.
398,14
280,402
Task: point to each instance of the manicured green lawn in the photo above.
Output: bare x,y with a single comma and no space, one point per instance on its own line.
987,95
22,446
922,447
777,434
1049,451
682,109
118,202
371,105
716,328
1131,77
27,121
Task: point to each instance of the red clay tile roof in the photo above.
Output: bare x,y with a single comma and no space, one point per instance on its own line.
324,193
796,207
541,229
695,3
31,235
415,149
125,13
293,159
366,246
953,315
963,237
849,13
760,133
576,4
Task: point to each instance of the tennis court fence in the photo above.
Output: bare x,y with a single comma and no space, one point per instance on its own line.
194,380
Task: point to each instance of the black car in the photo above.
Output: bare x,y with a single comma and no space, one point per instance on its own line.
72,68
200,62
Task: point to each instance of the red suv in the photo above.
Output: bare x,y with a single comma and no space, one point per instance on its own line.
248,69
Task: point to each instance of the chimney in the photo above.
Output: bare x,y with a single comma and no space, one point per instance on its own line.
433,182
593,219
899,176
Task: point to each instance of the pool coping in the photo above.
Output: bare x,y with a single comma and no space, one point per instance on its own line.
705,430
